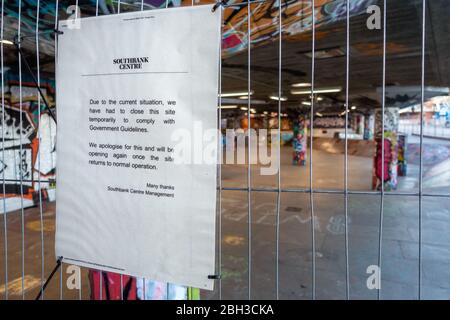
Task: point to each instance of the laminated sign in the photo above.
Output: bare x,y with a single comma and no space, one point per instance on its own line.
137,143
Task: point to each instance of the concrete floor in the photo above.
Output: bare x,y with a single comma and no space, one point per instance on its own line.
400,238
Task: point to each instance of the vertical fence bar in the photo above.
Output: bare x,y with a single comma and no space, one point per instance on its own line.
61,296
121,275
100,283
41,219
311,125
14,146
277,224
22,211
167,284
383,104
81,281
5,223
347,82
143,279
249,146
220,154
422,93
56,63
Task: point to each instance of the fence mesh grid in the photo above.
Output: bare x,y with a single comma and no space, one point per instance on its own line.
39,256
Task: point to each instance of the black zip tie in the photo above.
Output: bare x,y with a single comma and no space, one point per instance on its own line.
58,264
222,3
214,277
19,39
225,4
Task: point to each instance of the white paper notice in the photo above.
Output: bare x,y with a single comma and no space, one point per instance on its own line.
136,94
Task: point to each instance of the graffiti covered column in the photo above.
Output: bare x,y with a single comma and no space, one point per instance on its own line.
299,141
391,117
402,164
358,124
369,126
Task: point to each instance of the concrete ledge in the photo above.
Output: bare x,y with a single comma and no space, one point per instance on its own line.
362,148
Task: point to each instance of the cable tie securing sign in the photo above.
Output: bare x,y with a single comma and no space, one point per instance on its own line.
18,39
218,4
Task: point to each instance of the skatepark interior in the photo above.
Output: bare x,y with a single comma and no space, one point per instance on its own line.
414,206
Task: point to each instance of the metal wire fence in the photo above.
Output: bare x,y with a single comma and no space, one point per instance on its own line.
40,252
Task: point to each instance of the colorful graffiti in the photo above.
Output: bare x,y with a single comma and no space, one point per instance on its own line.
28,22
107,286
47,14
402,163
156,290
296,15
113,286
369,125
435,161
28,148
391,118
329,122
299,142
432,154
296,19
389,170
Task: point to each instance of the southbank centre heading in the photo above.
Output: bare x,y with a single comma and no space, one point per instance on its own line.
130,63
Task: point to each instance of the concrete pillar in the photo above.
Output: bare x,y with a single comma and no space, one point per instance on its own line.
360,123
299,141
391,118
402,164
369,126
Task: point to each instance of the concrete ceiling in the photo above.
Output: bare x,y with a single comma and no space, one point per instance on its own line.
403,63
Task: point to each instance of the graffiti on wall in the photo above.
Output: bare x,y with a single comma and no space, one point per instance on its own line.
28,157
296,19
15,159
296,15
329,122
47,14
